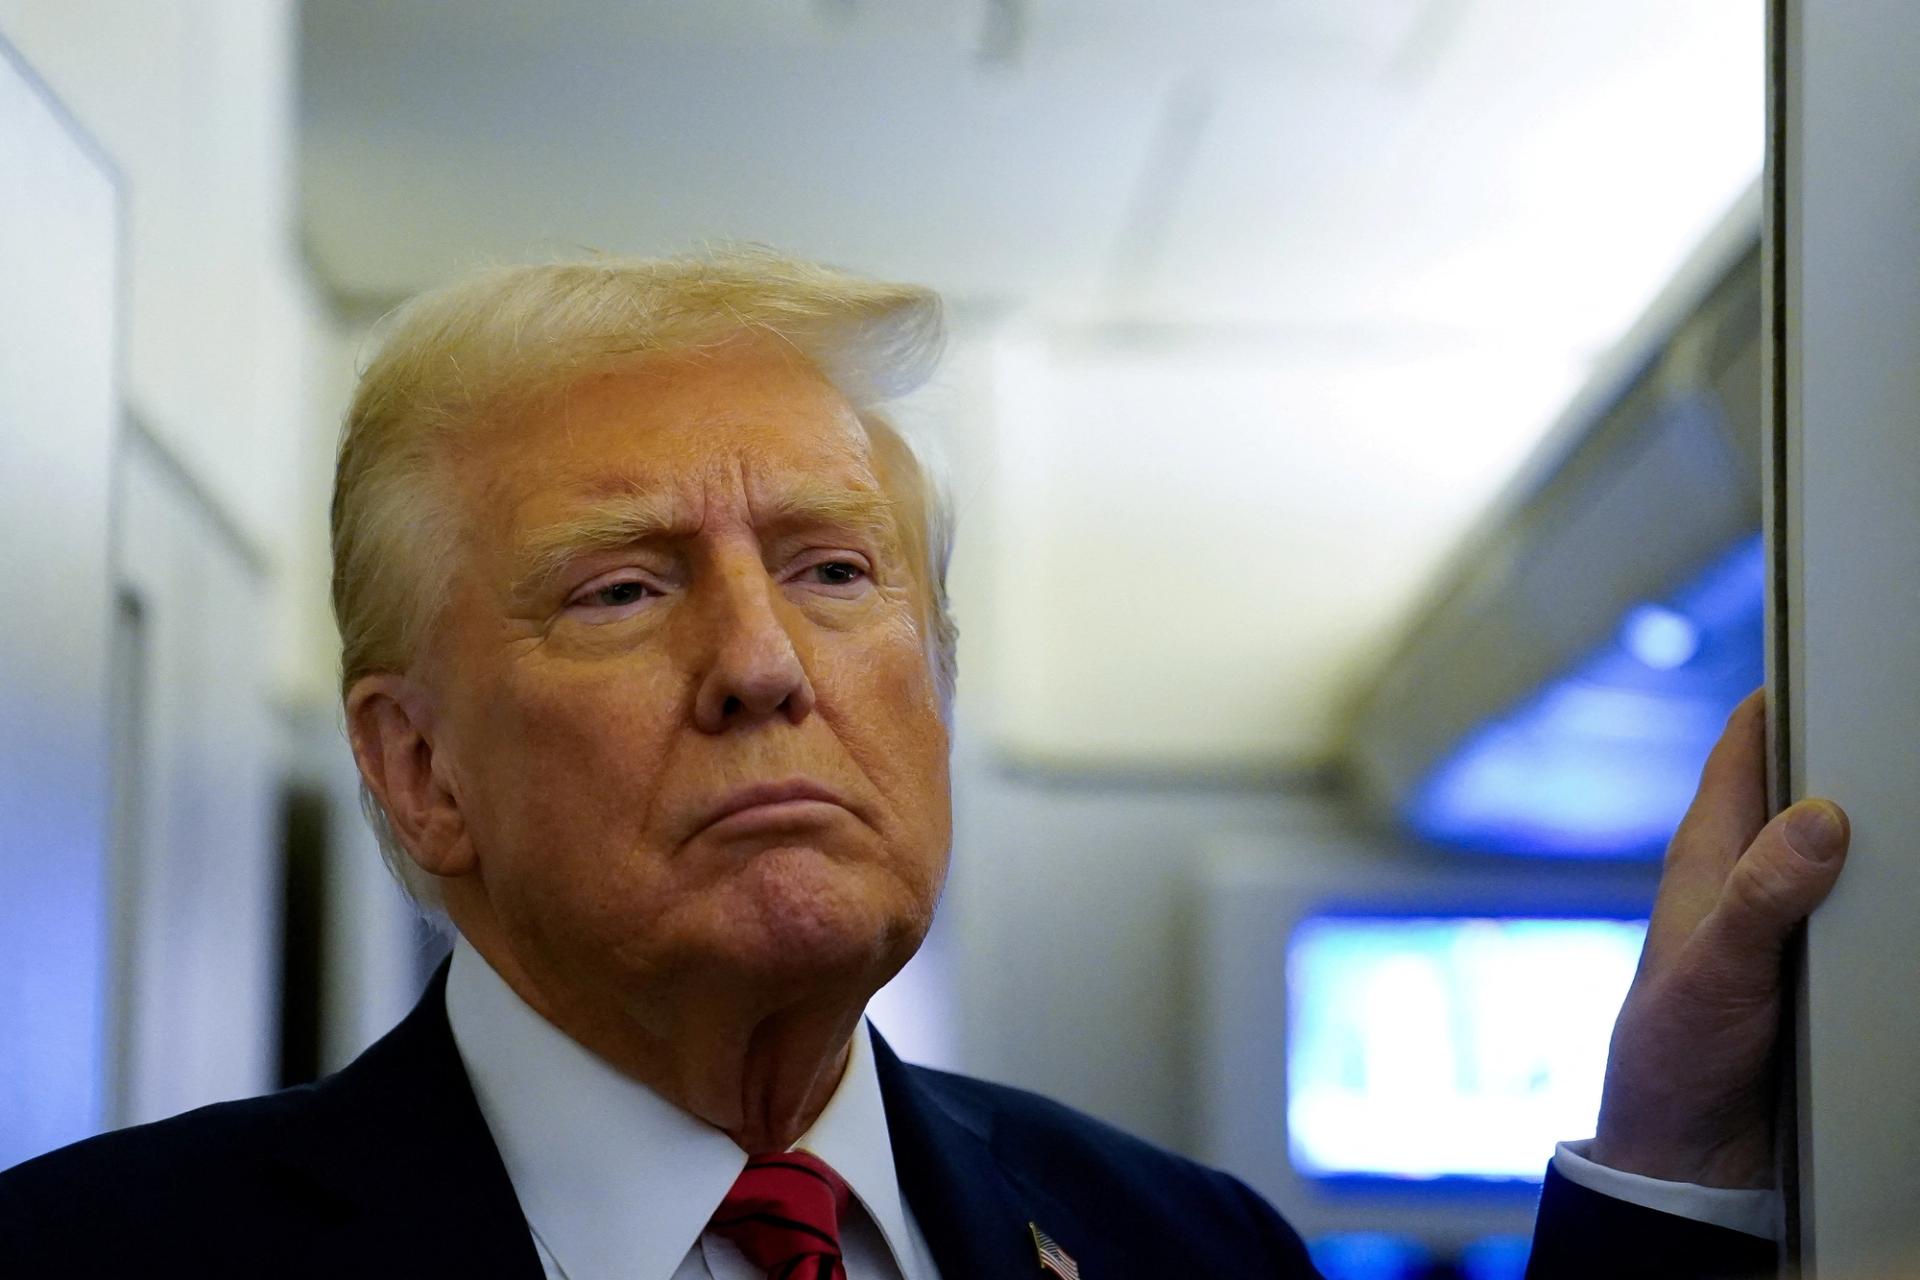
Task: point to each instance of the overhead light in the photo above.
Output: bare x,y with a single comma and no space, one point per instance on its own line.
1603,760
1662,638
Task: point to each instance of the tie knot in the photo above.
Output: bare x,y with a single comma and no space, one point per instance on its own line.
784,1215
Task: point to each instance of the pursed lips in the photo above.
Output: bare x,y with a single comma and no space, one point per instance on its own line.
772,801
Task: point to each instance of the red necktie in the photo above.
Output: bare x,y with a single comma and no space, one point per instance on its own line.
784,1214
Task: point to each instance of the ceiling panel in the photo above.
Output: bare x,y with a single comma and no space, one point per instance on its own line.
429,148
1546,168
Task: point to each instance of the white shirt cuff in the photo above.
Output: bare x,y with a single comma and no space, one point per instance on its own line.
1757,1213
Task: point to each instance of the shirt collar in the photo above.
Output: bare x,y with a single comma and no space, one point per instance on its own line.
615,1180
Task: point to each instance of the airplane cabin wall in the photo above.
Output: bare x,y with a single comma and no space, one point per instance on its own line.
58,243
1847,315
142,972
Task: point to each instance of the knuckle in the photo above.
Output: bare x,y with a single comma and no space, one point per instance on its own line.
1763,886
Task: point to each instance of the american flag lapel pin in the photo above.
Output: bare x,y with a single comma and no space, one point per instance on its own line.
1053,1259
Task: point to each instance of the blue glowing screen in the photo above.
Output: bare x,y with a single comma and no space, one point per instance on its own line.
1603,761
1462,1047
1370,1255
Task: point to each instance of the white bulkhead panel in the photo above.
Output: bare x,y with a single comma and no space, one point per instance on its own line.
58,308
1846,246
200,895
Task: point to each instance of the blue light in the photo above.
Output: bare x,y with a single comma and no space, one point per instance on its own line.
1660,637
1603,761
1496,1258
1583,771
1368,1255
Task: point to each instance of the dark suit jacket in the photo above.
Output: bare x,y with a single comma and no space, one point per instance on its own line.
387,1169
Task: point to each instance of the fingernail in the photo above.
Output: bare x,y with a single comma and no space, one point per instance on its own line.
1815,831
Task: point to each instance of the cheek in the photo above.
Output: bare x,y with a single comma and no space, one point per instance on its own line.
891,721
578,765
897,686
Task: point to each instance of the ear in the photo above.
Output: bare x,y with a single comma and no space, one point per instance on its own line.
390,724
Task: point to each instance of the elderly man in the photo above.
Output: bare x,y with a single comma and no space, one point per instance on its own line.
646,669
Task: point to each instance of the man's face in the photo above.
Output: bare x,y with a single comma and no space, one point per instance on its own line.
682,691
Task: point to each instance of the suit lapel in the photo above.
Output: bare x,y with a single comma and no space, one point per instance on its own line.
407,1170
974,1214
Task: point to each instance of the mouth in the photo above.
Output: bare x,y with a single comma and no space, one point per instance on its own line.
772,804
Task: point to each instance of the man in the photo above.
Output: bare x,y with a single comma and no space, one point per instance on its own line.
646,668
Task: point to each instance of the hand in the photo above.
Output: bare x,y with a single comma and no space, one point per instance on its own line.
1689,1094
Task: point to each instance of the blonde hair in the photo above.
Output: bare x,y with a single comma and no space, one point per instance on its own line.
499,342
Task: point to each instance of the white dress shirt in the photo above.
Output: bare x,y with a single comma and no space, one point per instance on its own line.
618,1184
1755,1212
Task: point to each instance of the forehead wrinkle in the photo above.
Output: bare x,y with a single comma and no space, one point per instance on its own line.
856,500
778,495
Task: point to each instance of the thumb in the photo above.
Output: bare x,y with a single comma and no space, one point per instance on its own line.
1784,874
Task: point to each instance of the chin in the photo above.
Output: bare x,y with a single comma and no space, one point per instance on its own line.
797,914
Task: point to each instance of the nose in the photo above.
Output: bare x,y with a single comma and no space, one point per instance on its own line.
755,672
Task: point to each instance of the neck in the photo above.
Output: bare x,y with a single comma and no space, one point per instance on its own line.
758,1067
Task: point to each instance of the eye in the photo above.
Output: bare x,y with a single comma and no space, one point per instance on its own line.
611,597
619,593
837,575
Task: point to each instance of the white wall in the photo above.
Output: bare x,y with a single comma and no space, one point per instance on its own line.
229,345
1849,536
1212,534
230,375
197,872
57,415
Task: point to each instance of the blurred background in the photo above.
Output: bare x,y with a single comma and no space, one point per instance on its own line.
1352,415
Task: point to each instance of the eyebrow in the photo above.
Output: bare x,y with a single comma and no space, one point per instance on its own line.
860,510
628,519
